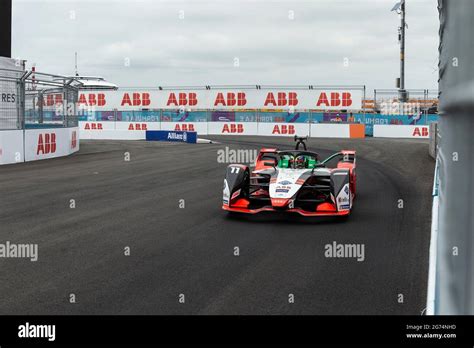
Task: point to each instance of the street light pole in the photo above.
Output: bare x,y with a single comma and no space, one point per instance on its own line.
402,92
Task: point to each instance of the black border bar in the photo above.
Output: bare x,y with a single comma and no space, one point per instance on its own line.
132,330
6,28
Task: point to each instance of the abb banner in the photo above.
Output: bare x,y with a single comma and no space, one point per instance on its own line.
96,126
232,128
109,130
232,99
283,129
137,126
50,143
401,131
11,146
199,127
137,130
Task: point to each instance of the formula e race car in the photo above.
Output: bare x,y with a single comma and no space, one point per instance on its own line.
292,181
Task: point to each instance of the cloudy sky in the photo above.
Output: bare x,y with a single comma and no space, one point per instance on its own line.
196,42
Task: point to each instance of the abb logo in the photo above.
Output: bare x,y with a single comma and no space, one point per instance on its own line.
46,143
93,126
283,99
232,128
231,100
422,133
73,140
50,100
184,127
137,99
336,99
182,100
137,126
92,99
283,129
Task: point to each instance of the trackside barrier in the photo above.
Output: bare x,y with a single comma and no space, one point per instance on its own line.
401,131
36,144
137,126
455,266
431,298
329,131
199,127
137,130
112,134
283,129
177,136
50,143
357,131
193,119
232,128
11,147
38,113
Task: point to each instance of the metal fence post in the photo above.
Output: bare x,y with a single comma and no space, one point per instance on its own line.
21,111
375,101
364,105
428,106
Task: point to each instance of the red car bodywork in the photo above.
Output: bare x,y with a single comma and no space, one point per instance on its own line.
241,205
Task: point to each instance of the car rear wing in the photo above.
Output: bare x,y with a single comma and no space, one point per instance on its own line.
348,156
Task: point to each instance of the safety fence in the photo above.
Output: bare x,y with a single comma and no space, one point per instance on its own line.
49,100
32,99
261,104
419,101
38,114
10,97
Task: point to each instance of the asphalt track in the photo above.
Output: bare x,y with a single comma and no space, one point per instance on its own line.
190,251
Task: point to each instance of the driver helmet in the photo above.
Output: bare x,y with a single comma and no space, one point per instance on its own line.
300,162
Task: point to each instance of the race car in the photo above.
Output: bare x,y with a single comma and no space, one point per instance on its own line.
292,181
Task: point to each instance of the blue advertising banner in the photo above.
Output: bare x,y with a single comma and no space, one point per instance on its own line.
184,137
